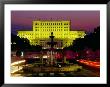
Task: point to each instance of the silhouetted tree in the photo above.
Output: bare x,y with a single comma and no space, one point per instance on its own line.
19,43
23,44
91,40
37,48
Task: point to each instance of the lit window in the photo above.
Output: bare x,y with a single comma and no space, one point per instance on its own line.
65,24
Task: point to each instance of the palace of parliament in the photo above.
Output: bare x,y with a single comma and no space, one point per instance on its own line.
42,30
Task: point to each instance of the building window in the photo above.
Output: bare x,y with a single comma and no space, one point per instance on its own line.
66,24
65,27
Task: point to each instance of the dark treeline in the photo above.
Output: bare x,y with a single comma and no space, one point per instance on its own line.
23,44
91,41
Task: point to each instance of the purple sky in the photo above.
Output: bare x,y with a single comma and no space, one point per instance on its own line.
80,20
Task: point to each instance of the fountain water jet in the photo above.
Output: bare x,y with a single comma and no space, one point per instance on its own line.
51,43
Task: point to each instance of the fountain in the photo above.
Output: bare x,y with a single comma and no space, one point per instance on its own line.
51,43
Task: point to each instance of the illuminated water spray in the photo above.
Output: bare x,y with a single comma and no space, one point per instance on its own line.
51,43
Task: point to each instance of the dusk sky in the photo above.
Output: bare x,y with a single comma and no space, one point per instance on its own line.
80,20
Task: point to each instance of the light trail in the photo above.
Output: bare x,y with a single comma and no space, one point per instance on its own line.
15,67
16,70
18,62
90,63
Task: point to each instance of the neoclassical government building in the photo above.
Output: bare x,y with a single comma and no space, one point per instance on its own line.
42,29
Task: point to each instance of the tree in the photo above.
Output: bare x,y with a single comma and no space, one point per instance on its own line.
20,43
90,41
37,48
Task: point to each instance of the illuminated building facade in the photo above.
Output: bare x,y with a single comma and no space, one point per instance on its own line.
42,30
